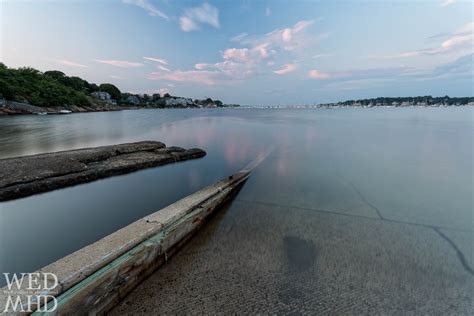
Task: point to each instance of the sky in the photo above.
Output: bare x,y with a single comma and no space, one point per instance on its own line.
249,52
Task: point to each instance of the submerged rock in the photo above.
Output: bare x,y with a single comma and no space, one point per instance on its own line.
23,176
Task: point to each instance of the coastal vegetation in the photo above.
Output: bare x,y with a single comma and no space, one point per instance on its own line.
427,100
52,89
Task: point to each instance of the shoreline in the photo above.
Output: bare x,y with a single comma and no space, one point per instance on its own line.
16,108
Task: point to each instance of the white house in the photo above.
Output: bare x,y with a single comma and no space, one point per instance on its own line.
102,95
179,101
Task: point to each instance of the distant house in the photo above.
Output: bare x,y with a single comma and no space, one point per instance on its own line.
101,95
179,102
133,99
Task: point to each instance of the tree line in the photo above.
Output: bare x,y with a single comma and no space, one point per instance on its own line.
427,99
49,89
54,88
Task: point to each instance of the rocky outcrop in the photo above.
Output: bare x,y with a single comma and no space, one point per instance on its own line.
23,176
14,108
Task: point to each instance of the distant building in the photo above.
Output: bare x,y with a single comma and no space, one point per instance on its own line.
179,102
133,99
101,95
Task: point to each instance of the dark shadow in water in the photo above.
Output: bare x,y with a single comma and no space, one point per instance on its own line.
300,253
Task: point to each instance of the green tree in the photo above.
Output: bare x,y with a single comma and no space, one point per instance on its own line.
6,90
111,89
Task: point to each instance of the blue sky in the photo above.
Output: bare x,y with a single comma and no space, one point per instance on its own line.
249,52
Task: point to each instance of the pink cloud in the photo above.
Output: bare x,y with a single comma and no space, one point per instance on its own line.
187,24
287,68
119,63
70,63
201,66
157,59
204,77
240,63
239,54
316,74
290,38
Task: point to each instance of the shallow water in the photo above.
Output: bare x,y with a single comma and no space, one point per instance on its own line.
407,165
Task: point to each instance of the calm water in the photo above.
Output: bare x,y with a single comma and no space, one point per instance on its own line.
412,165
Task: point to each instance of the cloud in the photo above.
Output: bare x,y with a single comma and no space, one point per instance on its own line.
238,38
201,66
119,63
322,55
156,59
204,14
163,68
117,77
290,38
255,58
237,54
287,68
461,38
317,74
458,41
362,74
399,55
203,77
148,7
446,3
70,63
461,66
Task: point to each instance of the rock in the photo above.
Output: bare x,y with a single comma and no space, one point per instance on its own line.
24,176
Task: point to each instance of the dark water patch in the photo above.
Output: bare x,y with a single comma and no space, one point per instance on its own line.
300,253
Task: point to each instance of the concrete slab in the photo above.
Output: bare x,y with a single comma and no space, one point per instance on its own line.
24,176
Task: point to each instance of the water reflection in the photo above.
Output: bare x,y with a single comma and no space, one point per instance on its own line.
414,165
